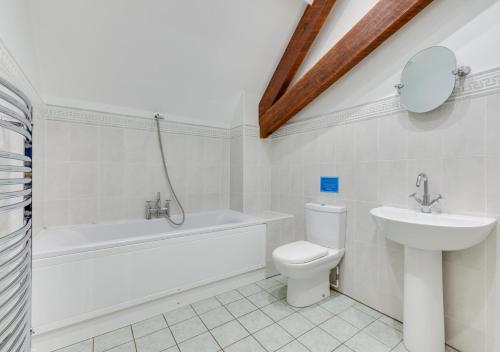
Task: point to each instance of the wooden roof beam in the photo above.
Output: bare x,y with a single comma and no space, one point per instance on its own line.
383,20
302,39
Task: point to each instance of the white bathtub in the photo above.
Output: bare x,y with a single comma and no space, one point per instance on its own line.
84,272
64,240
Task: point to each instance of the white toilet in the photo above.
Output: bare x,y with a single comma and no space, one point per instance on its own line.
307,264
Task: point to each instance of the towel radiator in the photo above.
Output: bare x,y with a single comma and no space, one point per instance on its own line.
16,117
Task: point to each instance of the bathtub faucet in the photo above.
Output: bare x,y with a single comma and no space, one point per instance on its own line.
157,210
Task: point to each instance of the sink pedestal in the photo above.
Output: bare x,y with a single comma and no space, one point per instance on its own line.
423,301
425,236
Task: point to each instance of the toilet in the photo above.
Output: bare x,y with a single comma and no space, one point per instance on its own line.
307,264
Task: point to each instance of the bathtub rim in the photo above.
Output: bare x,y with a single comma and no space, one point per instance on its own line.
249,221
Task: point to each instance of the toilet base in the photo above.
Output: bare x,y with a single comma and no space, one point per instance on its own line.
309,290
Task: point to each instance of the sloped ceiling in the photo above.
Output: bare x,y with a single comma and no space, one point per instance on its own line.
187,58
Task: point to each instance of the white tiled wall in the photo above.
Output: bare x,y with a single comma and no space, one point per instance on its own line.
257,171
236,169
377,160
97,173
250,170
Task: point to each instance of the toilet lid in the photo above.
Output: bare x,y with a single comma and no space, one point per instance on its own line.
299,252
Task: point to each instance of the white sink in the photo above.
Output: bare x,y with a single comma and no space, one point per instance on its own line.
425,236
436,232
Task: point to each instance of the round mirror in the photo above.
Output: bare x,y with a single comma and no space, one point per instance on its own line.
428,80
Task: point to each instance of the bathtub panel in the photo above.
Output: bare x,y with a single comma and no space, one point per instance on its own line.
87,285
59,278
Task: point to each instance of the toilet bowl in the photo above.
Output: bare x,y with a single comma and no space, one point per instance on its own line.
307,264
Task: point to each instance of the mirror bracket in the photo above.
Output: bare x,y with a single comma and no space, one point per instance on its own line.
399,86
461,71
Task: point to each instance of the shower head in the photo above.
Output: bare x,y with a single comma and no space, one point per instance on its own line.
158,116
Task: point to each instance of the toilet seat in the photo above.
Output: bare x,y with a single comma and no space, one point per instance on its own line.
299,252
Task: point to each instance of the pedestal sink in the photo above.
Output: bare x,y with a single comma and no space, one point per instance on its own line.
425,236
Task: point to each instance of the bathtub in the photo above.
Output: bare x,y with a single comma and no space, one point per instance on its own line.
84,272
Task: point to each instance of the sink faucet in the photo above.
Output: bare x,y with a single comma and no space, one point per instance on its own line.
157,210
426,204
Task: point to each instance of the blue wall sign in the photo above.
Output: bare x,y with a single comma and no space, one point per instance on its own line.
329,184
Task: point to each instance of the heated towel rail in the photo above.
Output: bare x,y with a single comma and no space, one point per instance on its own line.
16,117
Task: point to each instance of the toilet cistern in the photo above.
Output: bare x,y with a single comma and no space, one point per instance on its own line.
426,204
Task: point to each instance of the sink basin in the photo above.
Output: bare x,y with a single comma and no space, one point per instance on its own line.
437,232
425,236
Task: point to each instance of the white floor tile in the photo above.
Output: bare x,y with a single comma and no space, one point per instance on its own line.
216,317
339,328
318,340
229,333
241,307
206,305
230,296
296,325
342,297
273,337
343,348
148,326
392,323
172,349
316,314
281,278
113,339
401,348
335,304
356,317
249,290
293,346
179,314
384,333
365,343
188,329
155,342
262,299
255,321
204,342
269,283
248,344
278,310
84,346
368,310
128,347
279,292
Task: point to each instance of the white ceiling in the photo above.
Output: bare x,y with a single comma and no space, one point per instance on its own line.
189,58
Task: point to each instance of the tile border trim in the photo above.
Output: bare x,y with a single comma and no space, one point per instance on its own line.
478,84
96,118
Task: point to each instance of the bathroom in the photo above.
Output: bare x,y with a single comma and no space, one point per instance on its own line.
221,176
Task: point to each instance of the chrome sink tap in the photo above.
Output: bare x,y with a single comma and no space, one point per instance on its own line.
426,204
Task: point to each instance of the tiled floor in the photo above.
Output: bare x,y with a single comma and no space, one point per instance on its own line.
256,318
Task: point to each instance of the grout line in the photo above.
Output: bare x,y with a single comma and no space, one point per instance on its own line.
206,327
133,337
169,329
357,301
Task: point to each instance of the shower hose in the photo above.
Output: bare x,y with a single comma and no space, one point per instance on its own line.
174,196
